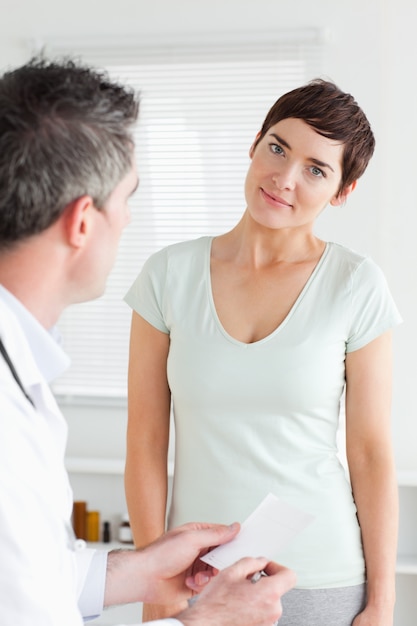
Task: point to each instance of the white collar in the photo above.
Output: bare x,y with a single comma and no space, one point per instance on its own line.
50,358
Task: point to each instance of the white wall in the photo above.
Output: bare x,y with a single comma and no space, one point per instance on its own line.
369,52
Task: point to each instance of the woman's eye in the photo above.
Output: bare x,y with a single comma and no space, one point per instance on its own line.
276,149
316,171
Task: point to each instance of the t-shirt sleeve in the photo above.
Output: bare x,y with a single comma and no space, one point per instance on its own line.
373,310
146,294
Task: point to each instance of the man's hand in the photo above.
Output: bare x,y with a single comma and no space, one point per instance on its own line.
158,573
231,598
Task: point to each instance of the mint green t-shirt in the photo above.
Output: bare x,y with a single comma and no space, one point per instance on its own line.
263,417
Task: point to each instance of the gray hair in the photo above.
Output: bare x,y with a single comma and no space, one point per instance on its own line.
65,132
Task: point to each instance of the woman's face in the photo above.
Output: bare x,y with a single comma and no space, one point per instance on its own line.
293,175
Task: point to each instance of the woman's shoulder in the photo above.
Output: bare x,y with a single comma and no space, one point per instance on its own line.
350,260
358,271
348,255
182,250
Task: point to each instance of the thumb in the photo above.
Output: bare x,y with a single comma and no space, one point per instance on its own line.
199,580
203,535
226,533
208,535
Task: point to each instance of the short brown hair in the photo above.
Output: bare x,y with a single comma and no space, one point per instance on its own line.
332,113
65,131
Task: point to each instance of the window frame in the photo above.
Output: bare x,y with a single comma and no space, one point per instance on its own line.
261,53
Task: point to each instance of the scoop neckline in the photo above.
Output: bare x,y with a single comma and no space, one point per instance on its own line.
287,318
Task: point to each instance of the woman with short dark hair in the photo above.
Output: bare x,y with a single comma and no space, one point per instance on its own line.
255,336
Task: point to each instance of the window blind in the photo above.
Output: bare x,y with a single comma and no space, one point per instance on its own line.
201,107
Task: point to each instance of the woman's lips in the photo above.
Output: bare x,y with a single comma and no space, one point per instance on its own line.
276,200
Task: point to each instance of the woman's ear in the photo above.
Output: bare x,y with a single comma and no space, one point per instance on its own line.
343,195
77,220
253,146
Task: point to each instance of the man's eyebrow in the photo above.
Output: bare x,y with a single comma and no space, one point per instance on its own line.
312,159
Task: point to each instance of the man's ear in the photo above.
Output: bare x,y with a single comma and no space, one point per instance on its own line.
77,220
253,146
343,195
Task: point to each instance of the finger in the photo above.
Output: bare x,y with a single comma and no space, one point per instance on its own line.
272,568
227,533
245,568
287,577
199,581
209,535
201,526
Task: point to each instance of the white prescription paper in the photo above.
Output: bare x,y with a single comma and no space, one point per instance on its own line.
270,528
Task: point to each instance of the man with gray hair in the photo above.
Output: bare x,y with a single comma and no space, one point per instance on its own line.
66,174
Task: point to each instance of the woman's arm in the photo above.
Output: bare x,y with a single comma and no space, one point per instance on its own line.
147,431
372,472
149,401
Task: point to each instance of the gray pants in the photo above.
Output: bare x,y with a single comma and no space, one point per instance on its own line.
323,607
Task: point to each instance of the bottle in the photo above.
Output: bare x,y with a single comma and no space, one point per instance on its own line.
125,532
79,519
93,526
106,532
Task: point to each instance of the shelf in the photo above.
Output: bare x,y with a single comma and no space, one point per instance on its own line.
112,545
407,478
103,466
406,564
87,465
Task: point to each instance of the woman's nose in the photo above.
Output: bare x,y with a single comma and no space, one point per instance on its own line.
285,177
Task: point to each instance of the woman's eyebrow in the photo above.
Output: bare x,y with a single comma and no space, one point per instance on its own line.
320,163
312,159
281,140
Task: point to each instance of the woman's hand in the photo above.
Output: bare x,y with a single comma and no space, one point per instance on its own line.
374,617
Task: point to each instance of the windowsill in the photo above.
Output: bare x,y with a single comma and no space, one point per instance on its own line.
88,465
91,401
406,564
407,478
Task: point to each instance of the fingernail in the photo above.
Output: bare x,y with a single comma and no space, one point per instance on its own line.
203,578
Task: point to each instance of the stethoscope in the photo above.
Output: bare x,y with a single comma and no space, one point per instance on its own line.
72,542
14,372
